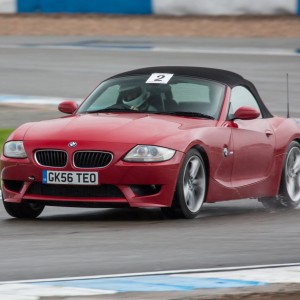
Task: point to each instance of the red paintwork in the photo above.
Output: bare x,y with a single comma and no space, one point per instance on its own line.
254,169
67,107
246,113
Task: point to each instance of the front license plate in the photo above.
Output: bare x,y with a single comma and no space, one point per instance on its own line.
60,177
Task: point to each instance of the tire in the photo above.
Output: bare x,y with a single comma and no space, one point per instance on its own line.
289,193
190,188
271,203
24,210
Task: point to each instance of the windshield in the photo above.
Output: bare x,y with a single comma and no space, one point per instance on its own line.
157,93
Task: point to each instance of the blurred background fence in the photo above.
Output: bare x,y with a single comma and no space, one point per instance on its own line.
160,7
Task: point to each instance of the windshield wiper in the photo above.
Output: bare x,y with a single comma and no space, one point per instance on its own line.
187,113
105,110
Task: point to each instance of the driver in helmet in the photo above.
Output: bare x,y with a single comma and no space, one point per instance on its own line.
135,97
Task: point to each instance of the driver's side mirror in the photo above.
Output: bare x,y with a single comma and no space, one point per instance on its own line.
68,107
246,113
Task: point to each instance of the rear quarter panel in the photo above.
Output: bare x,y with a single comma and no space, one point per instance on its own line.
286,130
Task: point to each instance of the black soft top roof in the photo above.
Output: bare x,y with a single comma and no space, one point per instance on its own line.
223,76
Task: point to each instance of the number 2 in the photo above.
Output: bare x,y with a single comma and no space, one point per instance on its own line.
160,78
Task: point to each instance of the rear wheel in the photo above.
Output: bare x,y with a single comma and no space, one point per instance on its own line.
190,189
28,210
289,195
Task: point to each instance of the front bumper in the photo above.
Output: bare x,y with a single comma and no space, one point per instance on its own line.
133,184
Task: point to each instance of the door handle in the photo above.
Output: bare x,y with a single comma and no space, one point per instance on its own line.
269,133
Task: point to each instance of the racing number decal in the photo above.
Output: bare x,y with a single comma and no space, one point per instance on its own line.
161,78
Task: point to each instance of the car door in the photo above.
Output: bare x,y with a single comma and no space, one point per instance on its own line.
253,142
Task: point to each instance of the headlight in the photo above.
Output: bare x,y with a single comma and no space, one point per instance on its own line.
144,153
14,149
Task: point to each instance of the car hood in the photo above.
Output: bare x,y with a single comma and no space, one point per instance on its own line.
132,128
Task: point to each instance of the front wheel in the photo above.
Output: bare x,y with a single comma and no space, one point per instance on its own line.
289,194
190,189
25,210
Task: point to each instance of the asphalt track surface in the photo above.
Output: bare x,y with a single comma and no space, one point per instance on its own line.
80,242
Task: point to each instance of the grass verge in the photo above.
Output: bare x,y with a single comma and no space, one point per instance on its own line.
4,133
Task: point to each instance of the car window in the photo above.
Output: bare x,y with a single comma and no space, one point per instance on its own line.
241,96
198,96
108,97
190,92
174,94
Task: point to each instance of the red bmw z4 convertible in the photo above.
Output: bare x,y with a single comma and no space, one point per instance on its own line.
167,137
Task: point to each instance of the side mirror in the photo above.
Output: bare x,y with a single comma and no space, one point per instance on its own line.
68,107
246,113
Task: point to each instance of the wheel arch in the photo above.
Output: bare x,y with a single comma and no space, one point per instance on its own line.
297,140
283,191
204,155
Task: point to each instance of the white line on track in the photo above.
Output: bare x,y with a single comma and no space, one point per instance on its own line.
231,51
177,49
169,272
32,292
36,100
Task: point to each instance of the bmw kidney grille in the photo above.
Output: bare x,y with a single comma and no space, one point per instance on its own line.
51,158
92,159
81,159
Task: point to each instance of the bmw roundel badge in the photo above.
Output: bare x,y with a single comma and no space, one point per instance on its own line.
72,144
